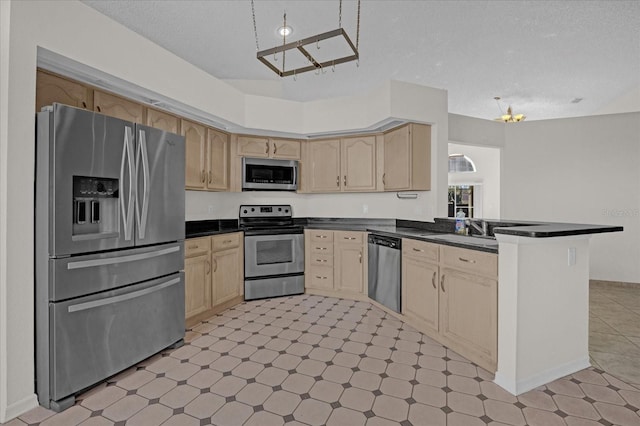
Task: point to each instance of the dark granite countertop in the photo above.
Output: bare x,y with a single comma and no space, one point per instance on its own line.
441,231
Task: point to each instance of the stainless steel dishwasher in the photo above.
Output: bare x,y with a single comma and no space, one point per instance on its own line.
384,270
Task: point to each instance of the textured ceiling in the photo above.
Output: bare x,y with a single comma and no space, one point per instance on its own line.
537,55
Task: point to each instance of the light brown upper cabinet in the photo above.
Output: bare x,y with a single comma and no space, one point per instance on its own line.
254,146
217,160
407,158
342,165
195,147
163,121
51,88
118,107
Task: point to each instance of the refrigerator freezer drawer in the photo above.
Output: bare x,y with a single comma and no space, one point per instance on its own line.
97,336
80,275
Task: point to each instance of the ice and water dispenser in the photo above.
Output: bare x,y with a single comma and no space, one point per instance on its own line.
95,206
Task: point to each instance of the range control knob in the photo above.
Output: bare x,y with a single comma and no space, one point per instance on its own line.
244,211
286,211
252,209
100,187
279,209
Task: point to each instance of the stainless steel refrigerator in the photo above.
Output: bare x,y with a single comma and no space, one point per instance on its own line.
109,249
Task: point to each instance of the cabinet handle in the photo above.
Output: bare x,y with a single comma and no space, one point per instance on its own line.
98,108
208,267
345,180
418,250
321,236
84,104
210,176
195,246
384,182
349,238
227,241
442,283
433,281
321,248
321,260
462,259
360,257
338,181
275,148
321,278
215,267
203,176
266,145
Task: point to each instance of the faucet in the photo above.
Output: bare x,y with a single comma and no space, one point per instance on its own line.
482,228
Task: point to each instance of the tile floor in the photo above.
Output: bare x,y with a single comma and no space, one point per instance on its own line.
315,360
614,329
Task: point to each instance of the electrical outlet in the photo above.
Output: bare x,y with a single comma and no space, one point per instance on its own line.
365,208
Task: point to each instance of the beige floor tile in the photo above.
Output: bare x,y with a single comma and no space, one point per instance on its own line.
462,368
15,422
396,387
461,419
322,354
602,394
631,397
372,365
537,417
204,378
357,399
430,395
163,365
125,408
431,362
156,388
431,377
365,380
225,363
222,346
613,344
232,414
248,370
104,398
312,412
617,415
272,376
243,351
344,416
282,403
204,406
401,371
565,387
71,416
337,374
589,376
390,408
277,344
264,356
345,359
326,391
620,366
426,415
228,386
381,421
596,325
152,415
185,352
179,396
298,383
311,367
181,420
182,371
254,394
264,418
538,399
463,403
97,421
463,384
136,380
504,412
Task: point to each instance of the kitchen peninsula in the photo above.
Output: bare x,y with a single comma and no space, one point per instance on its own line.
542,297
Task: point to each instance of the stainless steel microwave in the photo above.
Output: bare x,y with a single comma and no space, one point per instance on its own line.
264,174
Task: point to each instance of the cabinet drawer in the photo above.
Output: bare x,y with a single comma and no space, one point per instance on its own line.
321,236
196,246
321,259
222,242
476,262
419,250
321,248
320,277
349,237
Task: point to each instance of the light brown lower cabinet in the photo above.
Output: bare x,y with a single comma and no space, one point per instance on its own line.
214,276
336,261
451,294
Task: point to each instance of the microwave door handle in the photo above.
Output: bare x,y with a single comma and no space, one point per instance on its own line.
142,154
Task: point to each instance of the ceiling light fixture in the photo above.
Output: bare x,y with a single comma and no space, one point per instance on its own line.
509,117
271,57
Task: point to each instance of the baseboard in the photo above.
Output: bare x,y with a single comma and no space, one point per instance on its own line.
542,378
614,284
19,408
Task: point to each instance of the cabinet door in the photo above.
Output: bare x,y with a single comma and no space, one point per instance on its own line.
253,146
117,107
397,164
349,263
358,164
285,149
162,120
324,166
227,276
420,291
469,313
51,88
218,160
197,285
195,147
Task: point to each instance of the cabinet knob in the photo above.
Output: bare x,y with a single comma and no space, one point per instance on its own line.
84,104
98,108
338,181
345,180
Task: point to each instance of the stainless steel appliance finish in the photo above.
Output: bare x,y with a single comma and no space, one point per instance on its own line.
385,270
273,252
109,248
263,174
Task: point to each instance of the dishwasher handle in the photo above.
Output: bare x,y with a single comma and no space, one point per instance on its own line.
389,242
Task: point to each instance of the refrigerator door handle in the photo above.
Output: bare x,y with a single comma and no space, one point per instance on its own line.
120,259
142,153
121,298
127,158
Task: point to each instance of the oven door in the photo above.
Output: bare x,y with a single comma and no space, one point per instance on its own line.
269,255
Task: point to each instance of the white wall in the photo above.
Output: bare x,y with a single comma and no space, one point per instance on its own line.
487,174
77,32
583,170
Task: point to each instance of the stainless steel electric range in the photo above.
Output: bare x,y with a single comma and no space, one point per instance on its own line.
273,251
